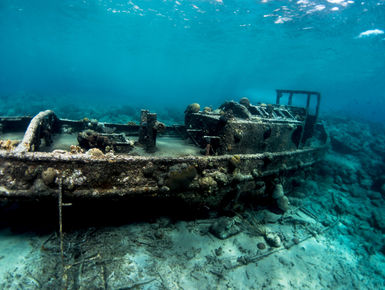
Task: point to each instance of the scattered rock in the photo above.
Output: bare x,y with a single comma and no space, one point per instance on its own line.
283,203
382,190
273,240
377,202
219,251
278,191
382,250
279,196
224,228
338,180
374,195
366,183
267,216
341,145
261,246
285,261
159,234
378,220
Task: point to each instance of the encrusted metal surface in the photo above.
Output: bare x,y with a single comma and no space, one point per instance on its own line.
200,180
39,127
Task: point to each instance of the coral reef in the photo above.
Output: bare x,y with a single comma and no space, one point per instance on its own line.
95,152
49,175
192,108
8,144
237,110
207,110
180,176
207,183
235,160
74,179
245,101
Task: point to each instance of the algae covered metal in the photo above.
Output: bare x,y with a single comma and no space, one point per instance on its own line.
236,149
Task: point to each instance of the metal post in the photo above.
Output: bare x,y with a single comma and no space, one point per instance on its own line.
318,105
148,131
279,95
151,133
290,99
308,102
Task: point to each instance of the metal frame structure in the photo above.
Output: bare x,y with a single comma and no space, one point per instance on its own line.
309,95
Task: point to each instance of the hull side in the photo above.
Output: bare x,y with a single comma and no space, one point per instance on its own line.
205,181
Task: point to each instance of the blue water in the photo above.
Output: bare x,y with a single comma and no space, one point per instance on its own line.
109,58
162,54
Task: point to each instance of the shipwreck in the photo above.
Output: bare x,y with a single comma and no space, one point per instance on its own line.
210,161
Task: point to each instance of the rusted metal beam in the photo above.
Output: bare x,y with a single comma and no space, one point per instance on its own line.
39,127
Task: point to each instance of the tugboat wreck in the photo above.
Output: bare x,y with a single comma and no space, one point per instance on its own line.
210,161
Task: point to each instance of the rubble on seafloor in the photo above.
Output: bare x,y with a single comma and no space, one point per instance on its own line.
330,234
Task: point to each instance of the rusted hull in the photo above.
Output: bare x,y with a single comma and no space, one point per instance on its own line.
208,181
246,148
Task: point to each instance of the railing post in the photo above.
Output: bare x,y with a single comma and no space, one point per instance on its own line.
279,95
290,99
